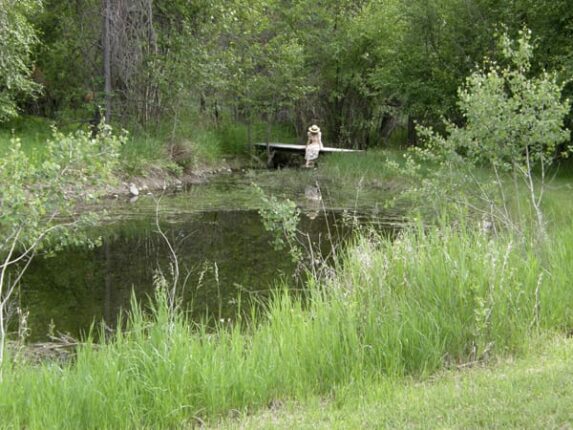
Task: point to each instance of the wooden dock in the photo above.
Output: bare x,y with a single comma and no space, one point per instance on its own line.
273,148
287,147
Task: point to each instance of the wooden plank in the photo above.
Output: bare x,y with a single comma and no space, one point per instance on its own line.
291,147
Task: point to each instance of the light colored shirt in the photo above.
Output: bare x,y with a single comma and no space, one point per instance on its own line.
314,139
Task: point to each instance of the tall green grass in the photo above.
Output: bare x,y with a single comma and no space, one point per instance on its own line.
366,168
33,133
185,144
191,145
433,297
449,296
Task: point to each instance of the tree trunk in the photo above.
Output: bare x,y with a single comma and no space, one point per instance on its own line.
387,127
412,138
107,315
269,131
107,58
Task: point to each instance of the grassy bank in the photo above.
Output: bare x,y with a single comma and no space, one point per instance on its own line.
188,145
191,145
534,392
407,308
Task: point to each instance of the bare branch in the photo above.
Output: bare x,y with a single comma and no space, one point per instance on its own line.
32,247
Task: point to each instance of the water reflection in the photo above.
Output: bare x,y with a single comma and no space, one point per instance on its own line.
225,254
219,239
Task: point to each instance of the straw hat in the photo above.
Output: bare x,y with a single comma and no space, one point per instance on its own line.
314,129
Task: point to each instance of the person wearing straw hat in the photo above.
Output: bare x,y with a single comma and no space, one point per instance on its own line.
313,145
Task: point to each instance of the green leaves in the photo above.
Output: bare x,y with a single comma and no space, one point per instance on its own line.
38,202
509,115
513,124
281,218
37,199
17,39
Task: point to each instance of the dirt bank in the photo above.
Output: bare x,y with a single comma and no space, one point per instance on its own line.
160,180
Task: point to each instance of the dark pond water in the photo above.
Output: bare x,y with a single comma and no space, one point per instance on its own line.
219,239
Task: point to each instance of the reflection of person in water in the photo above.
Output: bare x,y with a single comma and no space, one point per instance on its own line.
313,145
312,215
313,201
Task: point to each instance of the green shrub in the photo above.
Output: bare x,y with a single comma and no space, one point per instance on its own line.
513,128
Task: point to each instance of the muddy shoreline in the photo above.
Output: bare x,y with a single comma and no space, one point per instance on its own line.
159,180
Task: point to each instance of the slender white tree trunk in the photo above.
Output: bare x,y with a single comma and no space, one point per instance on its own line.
5,295
536,199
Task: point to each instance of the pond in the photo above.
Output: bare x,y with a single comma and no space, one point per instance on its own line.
224,253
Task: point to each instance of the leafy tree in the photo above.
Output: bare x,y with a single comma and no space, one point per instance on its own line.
17,40
513,124
335,52
37,202
430,48
551,21
356,67
70,57
265,67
